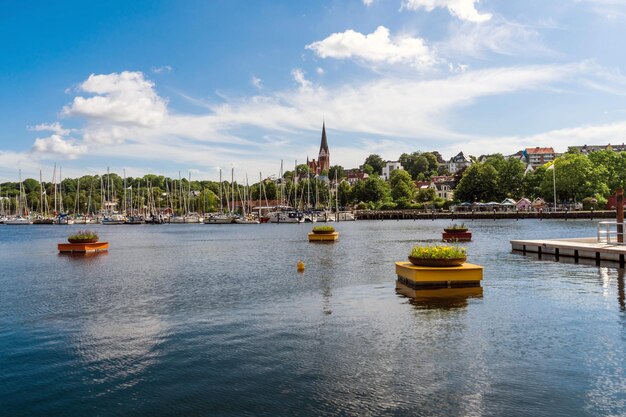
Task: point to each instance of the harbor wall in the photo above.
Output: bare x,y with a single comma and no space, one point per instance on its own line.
468,215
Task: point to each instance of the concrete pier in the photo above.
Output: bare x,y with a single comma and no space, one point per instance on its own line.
573,248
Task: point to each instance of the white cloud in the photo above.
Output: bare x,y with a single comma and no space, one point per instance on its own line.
319,70
56,146
559,139
165,69
392,106
298,76
257,82
376,48
125,98
497,36
407,111
51,127
462,9
368,2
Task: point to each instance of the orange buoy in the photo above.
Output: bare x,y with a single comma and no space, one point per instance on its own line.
300,266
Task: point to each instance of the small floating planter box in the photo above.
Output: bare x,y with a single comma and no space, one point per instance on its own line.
438,266
456,234
83,242
323,234
465,275
83,247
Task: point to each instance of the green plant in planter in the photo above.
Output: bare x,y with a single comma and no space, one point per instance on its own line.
456,228
438,252
83,235
323,229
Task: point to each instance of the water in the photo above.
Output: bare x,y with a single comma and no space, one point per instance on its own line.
189,320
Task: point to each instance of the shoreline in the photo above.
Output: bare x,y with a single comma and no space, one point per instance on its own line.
433,215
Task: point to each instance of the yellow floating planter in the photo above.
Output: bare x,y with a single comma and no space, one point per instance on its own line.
323,237
465,275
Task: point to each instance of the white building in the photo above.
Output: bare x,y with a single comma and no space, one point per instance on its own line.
457,163
389,167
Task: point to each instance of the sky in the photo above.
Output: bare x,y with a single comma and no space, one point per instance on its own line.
197,86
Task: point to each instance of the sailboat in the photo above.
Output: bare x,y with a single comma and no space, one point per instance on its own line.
111,218
21,217
62,218
78,218
42,218
221,217
246,218
284,213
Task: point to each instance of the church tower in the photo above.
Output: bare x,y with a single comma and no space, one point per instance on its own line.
323,159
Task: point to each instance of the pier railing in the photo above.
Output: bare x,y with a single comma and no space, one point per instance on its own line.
610,232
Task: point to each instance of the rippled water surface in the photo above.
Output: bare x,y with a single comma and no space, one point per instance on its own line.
215,320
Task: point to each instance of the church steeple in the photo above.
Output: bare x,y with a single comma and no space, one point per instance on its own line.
324,156
324,144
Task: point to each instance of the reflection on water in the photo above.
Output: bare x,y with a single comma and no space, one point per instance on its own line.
114,349
81,256
439,298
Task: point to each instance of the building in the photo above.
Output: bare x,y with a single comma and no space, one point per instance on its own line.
323,159
536,157
389,167
444,191
457,163
587,149
355,175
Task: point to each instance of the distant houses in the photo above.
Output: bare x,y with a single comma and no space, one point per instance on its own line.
587,149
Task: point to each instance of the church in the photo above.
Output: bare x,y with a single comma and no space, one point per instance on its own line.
321,166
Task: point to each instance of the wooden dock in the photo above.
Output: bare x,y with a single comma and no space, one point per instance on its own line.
573,248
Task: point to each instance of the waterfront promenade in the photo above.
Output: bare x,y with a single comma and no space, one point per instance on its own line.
469,215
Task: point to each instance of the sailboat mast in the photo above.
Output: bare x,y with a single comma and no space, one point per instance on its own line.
54,184
282,184
124,206
220,191
41,211
60,190
232,188
77,205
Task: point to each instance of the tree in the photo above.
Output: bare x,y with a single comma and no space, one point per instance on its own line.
336,171
374,189
345,193
402,186
376,162
418,163
511,176
531,183
576,178
426,194
479,183
303,170
368,169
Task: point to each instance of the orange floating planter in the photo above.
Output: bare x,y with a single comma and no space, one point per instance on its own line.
457,237
83,247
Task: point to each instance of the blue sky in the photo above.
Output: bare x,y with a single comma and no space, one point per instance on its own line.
194,86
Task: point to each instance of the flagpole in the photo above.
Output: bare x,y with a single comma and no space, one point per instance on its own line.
554,182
